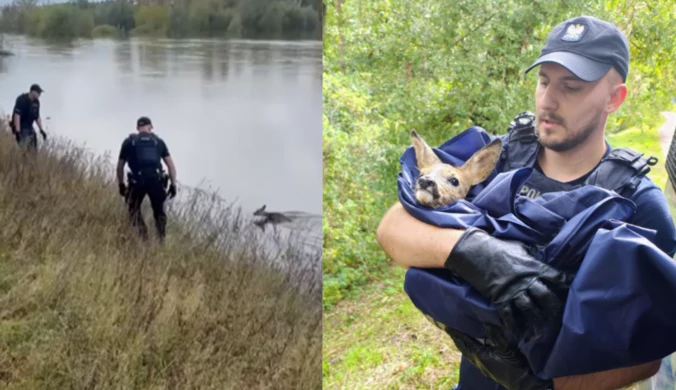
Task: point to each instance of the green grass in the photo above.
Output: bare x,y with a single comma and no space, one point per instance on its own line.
379,340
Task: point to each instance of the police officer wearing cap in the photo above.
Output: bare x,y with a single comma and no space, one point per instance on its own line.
144,151
583,69
26,112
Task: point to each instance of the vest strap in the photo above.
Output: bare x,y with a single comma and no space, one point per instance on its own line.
620,171
521,148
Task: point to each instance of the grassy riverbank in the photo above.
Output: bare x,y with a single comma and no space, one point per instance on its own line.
83,304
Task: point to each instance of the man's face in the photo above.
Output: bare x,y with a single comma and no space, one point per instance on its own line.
34,95
568,109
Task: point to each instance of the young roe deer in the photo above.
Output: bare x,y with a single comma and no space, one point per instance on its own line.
440,184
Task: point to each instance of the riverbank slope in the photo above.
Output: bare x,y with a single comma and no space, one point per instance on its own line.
84,304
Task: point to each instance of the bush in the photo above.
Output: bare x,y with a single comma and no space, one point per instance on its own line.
106,31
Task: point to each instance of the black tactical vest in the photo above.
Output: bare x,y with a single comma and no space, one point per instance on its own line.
620,170
147,155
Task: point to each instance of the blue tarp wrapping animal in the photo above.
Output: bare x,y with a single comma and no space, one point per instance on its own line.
620,310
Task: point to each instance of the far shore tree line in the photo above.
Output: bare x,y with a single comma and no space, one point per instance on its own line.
247,19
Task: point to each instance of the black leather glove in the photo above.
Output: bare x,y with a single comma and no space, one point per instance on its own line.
502,364
172,191
527,293
44,135
123,189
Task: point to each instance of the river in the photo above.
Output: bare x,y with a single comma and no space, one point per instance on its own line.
242,118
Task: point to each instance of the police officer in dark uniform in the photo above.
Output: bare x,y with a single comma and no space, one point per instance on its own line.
27,111
144,152
583,69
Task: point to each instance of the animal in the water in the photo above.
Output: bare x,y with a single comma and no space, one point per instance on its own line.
272,218
440,184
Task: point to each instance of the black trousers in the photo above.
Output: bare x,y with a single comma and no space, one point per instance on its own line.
472,379
27,138
155,191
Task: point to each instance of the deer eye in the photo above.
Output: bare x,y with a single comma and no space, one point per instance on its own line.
454,181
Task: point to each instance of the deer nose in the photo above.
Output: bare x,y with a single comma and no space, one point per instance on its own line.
425,183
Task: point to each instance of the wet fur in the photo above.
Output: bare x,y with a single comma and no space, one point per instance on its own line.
269,218
446,183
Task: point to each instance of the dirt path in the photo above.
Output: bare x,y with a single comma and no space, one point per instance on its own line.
666,131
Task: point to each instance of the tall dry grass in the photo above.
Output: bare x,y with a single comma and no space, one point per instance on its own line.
85,305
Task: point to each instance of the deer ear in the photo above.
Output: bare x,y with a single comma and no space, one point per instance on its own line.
482,163
424,155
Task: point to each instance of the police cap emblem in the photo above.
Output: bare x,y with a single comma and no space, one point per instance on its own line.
574,32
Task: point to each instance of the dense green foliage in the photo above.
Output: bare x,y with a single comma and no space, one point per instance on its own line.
390,66
287,19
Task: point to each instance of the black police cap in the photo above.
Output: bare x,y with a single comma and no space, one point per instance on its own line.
588,47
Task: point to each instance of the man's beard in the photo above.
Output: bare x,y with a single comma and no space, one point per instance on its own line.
570,141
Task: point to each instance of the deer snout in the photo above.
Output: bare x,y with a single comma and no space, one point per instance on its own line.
426,183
